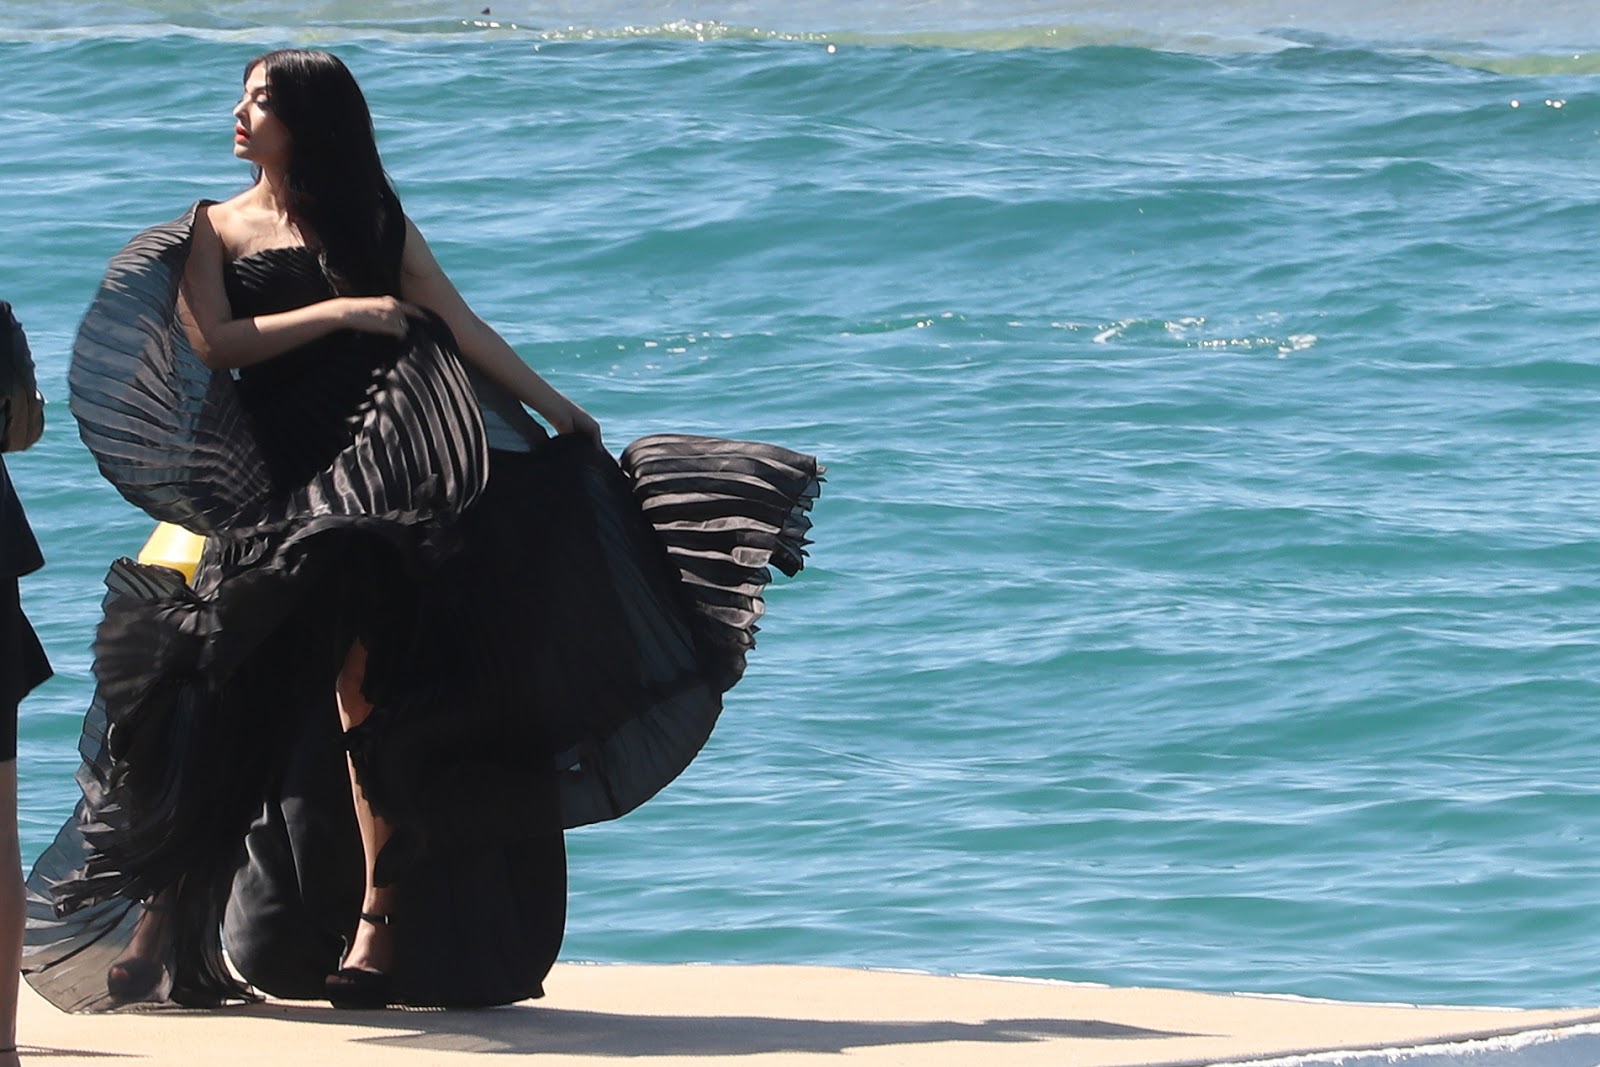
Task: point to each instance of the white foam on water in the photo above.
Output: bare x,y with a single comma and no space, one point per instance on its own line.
1575,1046
1514,27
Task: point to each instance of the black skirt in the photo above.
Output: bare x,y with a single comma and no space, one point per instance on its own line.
23,664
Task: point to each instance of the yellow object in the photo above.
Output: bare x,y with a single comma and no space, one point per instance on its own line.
173,546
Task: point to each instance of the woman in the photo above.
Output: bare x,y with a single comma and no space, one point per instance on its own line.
22,660
423,637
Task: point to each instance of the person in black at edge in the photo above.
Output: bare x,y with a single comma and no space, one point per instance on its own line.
22,660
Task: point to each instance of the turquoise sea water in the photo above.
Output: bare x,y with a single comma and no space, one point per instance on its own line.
1208,582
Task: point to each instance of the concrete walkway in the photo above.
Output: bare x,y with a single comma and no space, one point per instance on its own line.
766,1016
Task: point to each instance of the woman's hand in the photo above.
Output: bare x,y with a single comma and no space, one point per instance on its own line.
573,419
377,314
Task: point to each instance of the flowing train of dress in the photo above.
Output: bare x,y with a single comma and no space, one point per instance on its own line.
551,632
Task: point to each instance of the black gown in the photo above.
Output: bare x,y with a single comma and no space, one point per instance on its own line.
550,632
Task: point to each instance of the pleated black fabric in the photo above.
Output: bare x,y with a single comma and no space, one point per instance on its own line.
549,632
174,437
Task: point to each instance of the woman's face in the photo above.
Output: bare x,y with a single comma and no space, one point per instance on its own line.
257,134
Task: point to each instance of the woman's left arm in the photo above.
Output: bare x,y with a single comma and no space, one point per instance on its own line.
423,281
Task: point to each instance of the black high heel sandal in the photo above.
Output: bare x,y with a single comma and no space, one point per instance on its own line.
137,977
357,987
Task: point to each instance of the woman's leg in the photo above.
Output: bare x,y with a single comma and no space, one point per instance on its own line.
137,974
11,912
372,948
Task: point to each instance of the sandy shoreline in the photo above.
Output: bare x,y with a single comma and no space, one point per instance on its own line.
771,1015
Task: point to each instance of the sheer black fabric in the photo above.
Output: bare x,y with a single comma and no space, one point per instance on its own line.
550,634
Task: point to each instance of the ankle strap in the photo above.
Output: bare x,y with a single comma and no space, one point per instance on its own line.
376,919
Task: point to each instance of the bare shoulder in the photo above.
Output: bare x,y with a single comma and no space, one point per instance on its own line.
415,242
206,248
241,226
423,281
416,259
220,221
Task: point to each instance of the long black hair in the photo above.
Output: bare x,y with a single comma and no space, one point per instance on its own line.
336,185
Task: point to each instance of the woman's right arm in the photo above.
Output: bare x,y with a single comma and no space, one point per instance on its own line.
222,341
